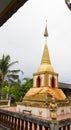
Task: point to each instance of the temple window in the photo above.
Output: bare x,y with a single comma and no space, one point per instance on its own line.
38,82
53,82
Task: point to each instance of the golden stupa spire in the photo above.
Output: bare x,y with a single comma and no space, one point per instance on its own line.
45,62
45,57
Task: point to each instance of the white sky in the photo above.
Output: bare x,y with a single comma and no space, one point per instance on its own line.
22,37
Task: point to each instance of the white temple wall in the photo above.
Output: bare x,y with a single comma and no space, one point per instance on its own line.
34,110
44,112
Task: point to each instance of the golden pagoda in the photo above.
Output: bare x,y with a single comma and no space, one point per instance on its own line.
45,82
45,87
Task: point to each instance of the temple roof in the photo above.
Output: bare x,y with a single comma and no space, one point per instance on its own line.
8,8
68,3
64,85
56,92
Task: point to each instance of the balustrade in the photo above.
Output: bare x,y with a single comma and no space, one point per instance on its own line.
21,121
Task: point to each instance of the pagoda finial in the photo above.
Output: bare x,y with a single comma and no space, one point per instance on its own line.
45,65
46,32
45,57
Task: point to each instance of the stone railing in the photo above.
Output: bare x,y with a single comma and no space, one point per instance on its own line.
20,121
65,124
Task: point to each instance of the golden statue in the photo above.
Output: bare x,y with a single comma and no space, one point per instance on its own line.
53,110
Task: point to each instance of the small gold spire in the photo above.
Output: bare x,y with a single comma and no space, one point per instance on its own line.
45,61
46,32
45,57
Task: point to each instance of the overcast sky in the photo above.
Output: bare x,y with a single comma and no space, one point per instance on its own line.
22,37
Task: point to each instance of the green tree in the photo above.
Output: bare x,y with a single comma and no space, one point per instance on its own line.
27,85
6,73
19,91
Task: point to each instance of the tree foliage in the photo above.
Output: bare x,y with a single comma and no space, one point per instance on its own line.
11,84
8,75
19,91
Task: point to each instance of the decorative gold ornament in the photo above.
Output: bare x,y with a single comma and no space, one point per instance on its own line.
53,110
40,112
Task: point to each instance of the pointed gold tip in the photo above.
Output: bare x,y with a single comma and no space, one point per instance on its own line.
45,57
46,32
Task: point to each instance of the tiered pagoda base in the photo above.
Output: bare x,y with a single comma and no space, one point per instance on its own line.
38,104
